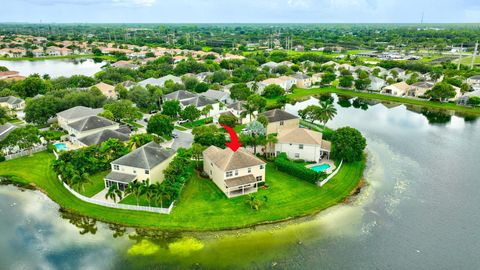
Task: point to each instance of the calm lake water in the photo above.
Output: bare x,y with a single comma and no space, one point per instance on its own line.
419,211
55,67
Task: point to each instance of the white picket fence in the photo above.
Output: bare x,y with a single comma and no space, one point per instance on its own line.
26,152
324,181
117,205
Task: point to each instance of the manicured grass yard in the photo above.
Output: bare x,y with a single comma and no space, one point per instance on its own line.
97,184
201,206
197,123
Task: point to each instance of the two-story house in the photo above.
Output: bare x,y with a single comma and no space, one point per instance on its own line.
74,114
279,120
146,162
302,143
235,173
90,125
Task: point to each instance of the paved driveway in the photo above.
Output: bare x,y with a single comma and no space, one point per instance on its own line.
184,139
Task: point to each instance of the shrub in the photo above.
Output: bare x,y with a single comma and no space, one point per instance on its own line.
296,169
50,147
2,158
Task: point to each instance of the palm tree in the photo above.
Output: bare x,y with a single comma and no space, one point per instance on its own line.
327,112
135,142
255,87
136,189
160,194
270,141
249,109
150,191
79,180
114,193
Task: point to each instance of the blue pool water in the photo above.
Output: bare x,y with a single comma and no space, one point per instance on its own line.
320,168
61,147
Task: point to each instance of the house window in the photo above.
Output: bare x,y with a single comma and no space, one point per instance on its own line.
249,170
300,146
281,123
229,173
116,167
236,172
297,155
147,172
261,167
259,178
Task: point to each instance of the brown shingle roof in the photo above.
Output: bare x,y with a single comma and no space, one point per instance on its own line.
228,160
300,135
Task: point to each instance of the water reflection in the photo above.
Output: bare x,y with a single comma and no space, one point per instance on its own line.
418,211
56,67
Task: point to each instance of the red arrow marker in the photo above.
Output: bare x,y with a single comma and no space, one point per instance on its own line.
234,144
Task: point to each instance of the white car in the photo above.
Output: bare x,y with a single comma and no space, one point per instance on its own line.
182,121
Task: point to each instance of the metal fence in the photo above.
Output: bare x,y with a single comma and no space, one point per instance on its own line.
324,181
26,152
118,205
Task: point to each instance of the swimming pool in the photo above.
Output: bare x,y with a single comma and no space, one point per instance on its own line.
61,147
320,168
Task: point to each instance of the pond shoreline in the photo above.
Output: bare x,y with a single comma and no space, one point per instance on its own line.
22,183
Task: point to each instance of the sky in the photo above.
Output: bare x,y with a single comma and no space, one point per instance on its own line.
240,11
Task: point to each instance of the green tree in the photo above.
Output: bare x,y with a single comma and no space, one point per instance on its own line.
346,81
197,152
327,112
206,110
80,180
136,189
171,108
123,110
441,91
190,113
160,124
348,144
328,78
254,135
273,91
23,137
228,119
114,193
240,91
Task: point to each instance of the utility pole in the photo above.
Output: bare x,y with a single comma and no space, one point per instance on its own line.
460,57
474,55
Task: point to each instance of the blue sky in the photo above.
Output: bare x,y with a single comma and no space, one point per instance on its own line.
249,11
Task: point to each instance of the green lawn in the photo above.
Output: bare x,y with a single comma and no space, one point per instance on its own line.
201,206
300,93
197,123
97,184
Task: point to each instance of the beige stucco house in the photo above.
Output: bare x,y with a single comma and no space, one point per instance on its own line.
235,173
302,143
420,88
280,120
146,162
107,90
396,89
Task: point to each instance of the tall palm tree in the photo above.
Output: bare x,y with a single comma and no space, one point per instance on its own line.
327,112
135,142
136,189
150,191
249,109
114,193
270,141
79,180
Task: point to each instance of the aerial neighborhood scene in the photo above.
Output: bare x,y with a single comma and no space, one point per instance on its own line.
280,134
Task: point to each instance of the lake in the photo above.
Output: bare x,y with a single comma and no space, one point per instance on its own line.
420,210
55,67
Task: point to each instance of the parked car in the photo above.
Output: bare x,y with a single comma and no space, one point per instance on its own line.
145,120
174,136
181,121
153,111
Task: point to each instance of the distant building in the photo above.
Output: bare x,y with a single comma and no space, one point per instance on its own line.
107,90
12,103
89,125
160,81
74,114
474,82
397,89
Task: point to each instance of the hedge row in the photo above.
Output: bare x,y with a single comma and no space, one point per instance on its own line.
296,169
